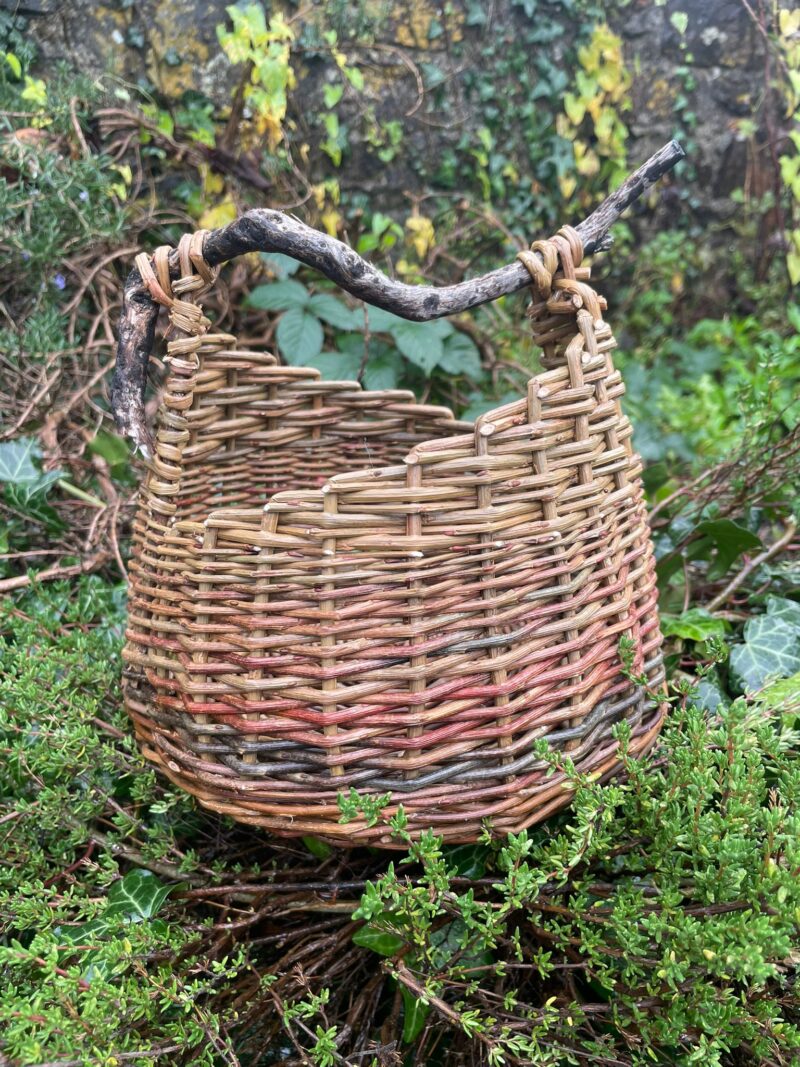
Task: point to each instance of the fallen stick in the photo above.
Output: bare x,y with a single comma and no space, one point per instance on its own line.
52,573
265,230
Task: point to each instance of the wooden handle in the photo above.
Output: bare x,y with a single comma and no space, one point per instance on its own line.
264,230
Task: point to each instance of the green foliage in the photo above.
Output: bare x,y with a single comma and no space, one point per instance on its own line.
660,879
656,919
601,93
387,352
24,488
54,205
88,964
265,48
727,381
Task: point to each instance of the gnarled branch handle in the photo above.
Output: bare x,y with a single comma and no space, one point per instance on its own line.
273,231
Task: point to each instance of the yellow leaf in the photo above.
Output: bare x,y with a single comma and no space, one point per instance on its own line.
789,22
219,215
421,233
586,160
331,219
563,128
574,108
14,63
566,184
35,91
124,172
212,183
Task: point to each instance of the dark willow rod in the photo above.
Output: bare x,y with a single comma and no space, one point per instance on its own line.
264,230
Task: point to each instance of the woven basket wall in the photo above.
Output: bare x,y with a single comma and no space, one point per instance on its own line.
334,588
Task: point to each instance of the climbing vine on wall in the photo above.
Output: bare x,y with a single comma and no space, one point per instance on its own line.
265,48
788,40
597,101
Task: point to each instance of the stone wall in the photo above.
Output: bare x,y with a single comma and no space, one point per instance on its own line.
171,45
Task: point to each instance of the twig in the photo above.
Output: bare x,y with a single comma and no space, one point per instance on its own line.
134,856
753,564
86,567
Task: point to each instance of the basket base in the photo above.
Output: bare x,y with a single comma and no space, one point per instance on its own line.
510,806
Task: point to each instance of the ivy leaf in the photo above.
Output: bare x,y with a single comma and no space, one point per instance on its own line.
26,484
30,500
693,625
771,649
332,94
415,1012
448,940
139,895
83,934
383,942
331,309
299,336
469,861
709,694
278,296
461,356
781,608
727,538
18,462
419,345
680,20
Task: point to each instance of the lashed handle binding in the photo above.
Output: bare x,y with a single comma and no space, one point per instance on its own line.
333,589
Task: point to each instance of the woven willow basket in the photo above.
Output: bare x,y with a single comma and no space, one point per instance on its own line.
334,588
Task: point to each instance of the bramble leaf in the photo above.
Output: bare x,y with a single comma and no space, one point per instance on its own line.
461,355
336,366
278,296
328,307
419,345
299,336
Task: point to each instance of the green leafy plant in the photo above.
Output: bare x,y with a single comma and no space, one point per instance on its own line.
659,879
385,350
265,48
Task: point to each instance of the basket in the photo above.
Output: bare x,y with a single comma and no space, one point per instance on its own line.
333,589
